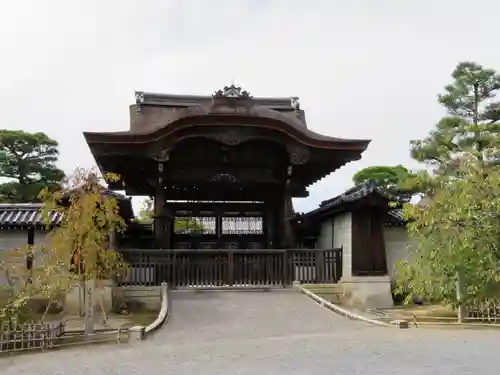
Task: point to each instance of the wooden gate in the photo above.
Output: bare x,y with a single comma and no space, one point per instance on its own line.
232,267
218,225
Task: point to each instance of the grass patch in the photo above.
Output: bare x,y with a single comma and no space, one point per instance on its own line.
434,313
144,318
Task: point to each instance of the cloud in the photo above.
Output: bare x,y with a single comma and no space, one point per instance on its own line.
362,69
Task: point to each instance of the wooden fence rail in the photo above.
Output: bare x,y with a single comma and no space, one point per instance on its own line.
29,336
222,267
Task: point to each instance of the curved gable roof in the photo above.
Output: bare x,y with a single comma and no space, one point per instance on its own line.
246,111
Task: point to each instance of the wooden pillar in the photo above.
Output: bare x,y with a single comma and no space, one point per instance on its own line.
30,256
288,239
160,230
219,213
169,226
269,224
278,222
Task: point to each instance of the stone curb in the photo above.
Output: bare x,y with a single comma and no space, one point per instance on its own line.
164,310
139,333
337,309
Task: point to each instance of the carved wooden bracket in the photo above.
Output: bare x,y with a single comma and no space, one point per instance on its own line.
230,137
224,177
162,156
298,154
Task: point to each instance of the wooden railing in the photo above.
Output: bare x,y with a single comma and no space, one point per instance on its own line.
222,267
29,336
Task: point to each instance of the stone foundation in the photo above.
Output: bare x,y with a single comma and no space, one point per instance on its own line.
367,292
72,300
140,297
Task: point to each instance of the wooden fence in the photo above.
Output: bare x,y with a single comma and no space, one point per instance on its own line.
487,310
222,267
29,336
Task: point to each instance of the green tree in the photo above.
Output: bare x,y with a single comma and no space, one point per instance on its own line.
385,176
456,237
28,161
472,126
189,225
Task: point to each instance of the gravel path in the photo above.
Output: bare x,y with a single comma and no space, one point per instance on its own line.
280,332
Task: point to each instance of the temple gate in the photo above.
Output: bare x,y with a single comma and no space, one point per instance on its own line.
222,170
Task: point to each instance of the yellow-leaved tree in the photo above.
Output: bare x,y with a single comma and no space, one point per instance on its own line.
78,252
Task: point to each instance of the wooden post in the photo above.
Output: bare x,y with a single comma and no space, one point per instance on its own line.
31,255
159,214
320,265
169,226
230,268
268,218
288,240
286,268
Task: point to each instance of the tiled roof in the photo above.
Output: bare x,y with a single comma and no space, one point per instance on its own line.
193,100
25,214
361,191
397,214
357,193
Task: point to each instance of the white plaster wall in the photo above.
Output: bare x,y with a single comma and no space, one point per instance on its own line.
342,237
14,239
396,246
337,233
10,240
326,235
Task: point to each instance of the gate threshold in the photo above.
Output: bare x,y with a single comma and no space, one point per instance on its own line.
249,288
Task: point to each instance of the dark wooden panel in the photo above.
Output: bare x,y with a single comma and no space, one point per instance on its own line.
232,267
368,246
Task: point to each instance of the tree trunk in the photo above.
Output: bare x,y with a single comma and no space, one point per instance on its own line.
461,312
89,307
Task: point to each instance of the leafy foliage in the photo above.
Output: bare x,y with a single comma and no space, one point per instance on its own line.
190,225
28,159
77,250
385,176
456,233
472,126
90,220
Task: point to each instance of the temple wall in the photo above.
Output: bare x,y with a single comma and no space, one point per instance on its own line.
336,233
375,291
342,237
364,291
326,235
396,246
14,239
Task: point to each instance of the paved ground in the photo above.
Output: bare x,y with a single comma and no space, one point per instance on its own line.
272,333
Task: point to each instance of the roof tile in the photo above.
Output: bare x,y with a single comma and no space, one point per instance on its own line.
23,214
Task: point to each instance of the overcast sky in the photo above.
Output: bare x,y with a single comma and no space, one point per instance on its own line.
362,68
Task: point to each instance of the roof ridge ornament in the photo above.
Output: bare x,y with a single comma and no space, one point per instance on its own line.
139,99
232,92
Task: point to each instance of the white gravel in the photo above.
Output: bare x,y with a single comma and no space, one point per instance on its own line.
278,332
